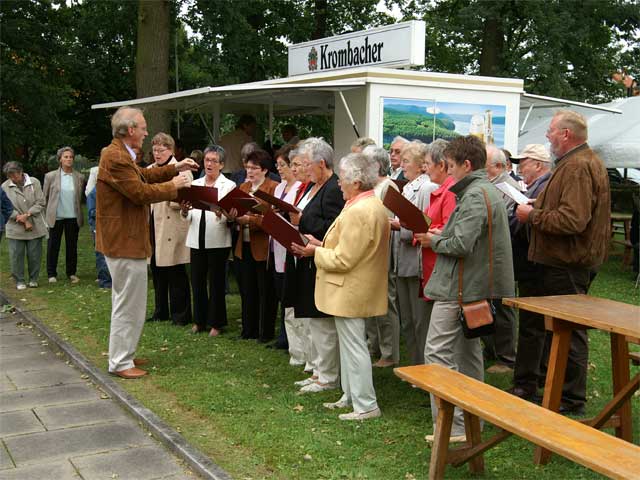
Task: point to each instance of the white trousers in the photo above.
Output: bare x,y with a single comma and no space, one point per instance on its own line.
355,365
295,328
324,339
128,309
447,346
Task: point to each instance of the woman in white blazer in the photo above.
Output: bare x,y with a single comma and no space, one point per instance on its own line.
209,238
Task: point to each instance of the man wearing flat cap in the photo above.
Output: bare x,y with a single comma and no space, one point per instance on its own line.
535,167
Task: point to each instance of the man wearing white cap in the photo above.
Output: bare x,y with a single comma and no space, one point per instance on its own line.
535,167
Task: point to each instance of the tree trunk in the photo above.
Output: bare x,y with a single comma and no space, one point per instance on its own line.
152,61
492,45
320,8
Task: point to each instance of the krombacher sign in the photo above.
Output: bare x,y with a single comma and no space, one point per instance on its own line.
398,45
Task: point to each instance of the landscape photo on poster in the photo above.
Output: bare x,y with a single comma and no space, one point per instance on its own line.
426,120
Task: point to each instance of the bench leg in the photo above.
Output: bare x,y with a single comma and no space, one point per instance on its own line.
442,432
474,437
621,374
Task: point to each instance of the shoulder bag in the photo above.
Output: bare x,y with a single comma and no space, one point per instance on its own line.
478,318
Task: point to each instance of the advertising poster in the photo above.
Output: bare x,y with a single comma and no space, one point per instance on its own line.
426,120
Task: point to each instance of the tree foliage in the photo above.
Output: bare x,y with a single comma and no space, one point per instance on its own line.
61,56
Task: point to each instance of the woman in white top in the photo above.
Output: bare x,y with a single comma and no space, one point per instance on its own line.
413,310
286,190
209,238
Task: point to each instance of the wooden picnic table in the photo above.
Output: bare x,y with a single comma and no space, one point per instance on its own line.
562,315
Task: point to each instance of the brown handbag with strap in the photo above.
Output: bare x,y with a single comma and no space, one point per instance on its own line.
477,318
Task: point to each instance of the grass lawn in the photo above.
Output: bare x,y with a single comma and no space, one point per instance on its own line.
235,399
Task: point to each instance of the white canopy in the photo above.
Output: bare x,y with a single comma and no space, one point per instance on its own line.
616,138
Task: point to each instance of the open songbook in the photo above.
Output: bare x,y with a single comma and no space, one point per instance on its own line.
409,215
282,231
513,193
206,198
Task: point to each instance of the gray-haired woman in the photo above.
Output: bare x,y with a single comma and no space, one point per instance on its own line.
62,190
352,279
26,227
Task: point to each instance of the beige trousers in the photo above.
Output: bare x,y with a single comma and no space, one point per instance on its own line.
128,309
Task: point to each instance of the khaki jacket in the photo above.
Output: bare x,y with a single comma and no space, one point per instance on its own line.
170,232
352,264
123,192
28,200
51,191
571,219
258,238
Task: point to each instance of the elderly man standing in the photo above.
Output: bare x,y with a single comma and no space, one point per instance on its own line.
395,151
570,232
122,231
535,168
501,345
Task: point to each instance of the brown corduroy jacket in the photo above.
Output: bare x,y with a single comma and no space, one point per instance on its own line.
123,192
571,219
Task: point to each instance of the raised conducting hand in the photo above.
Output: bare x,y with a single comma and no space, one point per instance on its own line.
181,181
186,164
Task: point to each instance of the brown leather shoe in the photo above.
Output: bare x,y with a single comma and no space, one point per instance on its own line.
138,362
130,373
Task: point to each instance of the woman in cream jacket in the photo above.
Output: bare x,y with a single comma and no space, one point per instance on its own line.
352,263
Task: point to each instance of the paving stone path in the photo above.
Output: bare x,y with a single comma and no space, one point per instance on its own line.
55,424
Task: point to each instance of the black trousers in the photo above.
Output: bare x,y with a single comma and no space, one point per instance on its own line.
209,304
171,293
532,357
501,346
68,227
258,297
278,282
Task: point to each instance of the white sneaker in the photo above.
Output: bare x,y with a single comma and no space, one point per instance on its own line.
336,405
305,382
74,279
33,284
454,439
316,387
375,413
53,279
21,286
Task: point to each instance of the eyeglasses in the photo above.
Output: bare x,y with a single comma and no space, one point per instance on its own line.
253,167
159,150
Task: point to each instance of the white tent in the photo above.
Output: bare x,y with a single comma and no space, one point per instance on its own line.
616,138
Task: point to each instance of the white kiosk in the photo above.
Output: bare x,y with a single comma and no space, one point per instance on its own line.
356,79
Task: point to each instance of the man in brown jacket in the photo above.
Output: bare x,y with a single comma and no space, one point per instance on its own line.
570,223
122,231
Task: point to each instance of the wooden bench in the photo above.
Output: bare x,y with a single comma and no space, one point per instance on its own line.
569,438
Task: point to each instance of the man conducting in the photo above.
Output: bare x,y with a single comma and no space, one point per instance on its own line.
570,232
122,231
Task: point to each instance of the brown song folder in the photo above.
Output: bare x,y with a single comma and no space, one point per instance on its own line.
241,201
410,216
282,231
276,202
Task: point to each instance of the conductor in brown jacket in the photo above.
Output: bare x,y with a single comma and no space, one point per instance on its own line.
122,230
570,232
